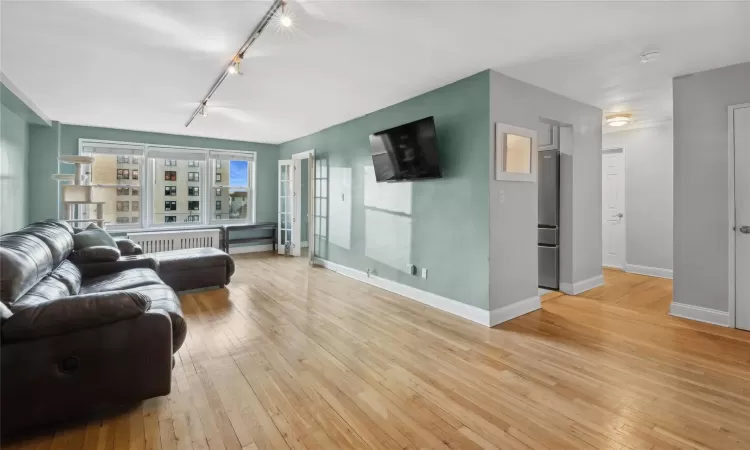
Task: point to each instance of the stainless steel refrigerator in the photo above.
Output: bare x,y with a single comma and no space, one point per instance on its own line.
549,219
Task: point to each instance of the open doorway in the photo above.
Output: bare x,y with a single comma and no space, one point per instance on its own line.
296,191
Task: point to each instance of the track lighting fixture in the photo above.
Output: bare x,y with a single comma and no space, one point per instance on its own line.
278,11
234,68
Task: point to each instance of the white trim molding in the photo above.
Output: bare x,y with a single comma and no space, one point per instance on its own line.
582,286
650,271
700,314
469,312
506,313
250,249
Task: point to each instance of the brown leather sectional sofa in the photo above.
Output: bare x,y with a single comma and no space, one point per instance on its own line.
79,339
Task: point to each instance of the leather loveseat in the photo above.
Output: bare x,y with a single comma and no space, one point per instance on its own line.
79,339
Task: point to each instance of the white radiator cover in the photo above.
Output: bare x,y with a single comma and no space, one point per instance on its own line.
162,241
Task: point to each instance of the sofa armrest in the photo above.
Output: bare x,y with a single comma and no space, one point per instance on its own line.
73,313
128,247
124,263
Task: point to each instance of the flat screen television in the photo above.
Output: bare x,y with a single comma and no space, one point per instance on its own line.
406,153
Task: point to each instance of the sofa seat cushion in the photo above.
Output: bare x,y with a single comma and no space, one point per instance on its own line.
119,281
46,290
164,298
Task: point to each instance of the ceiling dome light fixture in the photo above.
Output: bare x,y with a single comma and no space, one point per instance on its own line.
647,57
618,119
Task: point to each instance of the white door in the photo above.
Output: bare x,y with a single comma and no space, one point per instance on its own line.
742,216
286,206
613,210
297,209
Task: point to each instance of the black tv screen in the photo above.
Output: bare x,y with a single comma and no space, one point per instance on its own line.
406,153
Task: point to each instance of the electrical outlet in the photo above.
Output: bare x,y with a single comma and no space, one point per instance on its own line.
424,273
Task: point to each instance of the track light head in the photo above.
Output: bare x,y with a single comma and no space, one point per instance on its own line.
204,111
285,21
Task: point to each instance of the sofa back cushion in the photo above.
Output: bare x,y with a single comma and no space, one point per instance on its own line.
58,239
25,260
68,274
93,236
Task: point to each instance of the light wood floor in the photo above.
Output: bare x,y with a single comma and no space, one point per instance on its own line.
294,357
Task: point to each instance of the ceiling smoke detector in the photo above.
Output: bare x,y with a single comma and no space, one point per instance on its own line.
647,57
618,119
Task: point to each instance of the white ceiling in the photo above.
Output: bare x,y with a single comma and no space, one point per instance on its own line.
146,65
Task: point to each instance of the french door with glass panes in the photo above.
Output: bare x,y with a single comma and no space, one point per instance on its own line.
286,209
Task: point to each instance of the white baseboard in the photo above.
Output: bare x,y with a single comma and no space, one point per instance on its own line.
582,286
700,314
517,309
469,312
650,271
250,249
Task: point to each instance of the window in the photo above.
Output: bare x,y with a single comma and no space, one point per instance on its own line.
176,181
114,184
232,189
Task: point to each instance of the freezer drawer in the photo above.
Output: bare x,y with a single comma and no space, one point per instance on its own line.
549,267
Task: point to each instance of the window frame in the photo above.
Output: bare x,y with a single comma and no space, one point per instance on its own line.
146,174
215,160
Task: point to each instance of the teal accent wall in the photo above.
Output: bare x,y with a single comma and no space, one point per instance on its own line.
441,225
47,143
44,146
14,158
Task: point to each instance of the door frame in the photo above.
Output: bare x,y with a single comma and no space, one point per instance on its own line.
732,217
609,150
310,156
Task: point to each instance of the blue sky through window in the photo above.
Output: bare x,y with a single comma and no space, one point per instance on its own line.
238,173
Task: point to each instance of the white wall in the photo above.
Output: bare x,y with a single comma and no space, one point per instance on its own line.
513,222
648,193
701,191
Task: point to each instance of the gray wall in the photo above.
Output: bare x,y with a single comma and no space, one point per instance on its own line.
440,225
14,158
701,192
513,224
648,193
